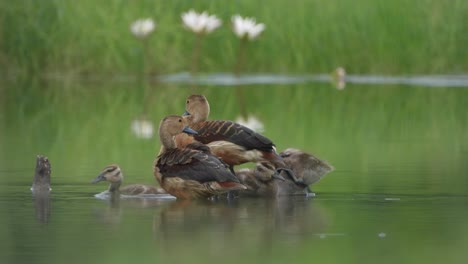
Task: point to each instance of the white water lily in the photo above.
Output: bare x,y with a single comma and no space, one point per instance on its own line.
339,78
200,22
246,27
142,27
251,122
142,128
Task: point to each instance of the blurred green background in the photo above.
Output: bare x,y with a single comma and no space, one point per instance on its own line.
71,86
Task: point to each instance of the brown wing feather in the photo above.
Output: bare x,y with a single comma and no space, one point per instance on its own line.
217,130
190,164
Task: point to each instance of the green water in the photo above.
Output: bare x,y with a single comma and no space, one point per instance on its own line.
398,194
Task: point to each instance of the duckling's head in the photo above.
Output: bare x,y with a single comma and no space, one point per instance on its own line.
197,108
306,166
111,173
265,172
171,126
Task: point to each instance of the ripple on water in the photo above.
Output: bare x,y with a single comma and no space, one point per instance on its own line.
106,195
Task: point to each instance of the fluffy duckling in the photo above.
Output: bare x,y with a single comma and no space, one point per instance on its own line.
307,167
114,175
191,172
235,144
263,181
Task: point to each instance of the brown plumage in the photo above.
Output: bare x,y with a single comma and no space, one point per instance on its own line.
113,174
191,172
235,144
263,181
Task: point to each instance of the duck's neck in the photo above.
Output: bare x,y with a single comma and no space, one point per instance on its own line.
167,141
198,118
114,187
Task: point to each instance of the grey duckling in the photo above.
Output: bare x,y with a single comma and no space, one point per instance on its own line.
263,181
113,174
41,180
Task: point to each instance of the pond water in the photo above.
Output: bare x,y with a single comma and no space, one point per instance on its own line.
399,193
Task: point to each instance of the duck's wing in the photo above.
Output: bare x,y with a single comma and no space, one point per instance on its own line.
196,145
190,164
217,130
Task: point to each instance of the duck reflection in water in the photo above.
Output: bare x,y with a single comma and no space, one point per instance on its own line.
263,180
41,189
221,228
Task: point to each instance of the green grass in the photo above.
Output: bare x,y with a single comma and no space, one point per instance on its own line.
366,36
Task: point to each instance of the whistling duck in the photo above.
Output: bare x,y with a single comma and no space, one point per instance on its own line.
263,181
41,181
190,172
235,144
114,175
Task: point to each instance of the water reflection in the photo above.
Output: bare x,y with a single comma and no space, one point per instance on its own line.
41,201
222,226
116,205
227,79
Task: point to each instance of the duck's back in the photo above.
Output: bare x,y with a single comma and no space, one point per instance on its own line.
223,130
138,189
193,164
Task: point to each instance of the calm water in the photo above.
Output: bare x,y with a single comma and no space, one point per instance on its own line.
399,193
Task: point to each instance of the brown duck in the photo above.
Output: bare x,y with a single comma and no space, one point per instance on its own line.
113,174
190,172
235,144
263,181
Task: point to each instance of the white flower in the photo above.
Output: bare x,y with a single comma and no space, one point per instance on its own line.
200,22
246,27
142,128
142,27
252,122
339,78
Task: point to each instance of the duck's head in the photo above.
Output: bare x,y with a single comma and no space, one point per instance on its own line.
171,126
111,173
197,108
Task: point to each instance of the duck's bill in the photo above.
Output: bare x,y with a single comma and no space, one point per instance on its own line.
190,131
277,176
99,178
186,113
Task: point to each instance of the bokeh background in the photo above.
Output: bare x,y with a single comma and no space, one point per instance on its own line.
74,81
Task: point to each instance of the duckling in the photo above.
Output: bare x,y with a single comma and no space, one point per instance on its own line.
309,168
41,188
41,180
263,181
235,144
191,172
114,175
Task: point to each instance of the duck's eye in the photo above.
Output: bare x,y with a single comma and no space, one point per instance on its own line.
180,120
188,101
